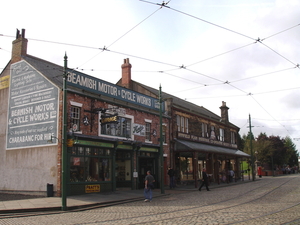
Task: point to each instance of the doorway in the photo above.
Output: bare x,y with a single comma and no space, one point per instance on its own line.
146,164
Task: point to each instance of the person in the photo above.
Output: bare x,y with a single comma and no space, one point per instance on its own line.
171,174
149,179
204,180
259,171
231,175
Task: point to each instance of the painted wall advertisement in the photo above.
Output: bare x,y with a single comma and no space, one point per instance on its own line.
33,108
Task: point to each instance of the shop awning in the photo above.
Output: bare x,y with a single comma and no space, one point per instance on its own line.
182,145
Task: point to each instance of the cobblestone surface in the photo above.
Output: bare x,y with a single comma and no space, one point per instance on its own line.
273,200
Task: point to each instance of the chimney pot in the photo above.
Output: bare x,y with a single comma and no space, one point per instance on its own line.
224,112
126,74
19,47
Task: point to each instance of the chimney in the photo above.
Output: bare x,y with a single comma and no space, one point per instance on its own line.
126,74
224,113
19,48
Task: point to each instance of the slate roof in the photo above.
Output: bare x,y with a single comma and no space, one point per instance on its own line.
188,106
54,73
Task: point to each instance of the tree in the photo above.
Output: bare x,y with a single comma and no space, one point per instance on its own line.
263,147
272,150
292,152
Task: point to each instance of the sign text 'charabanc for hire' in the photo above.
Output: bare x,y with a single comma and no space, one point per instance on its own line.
95,85
33,108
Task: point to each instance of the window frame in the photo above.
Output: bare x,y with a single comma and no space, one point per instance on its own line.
128,127
222,134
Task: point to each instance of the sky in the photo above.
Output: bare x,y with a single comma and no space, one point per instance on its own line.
245,53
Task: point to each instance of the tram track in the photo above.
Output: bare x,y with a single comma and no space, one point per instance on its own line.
205,209
208,208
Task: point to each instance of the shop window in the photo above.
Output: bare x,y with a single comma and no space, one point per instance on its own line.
148,132
147,154
90,165
186,168
121,127
75,118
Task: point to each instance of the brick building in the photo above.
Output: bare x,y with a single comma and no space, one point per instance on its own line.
112,132
198,138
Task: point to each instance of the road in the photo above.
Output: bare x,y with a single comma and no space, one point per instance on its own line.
271,200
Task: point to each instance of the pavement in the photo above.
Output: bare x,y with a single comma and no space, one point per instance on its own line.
80,202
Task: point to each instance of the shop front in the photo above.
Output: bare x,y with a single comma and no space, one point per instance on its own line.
192,157
102,165
90,167
148,161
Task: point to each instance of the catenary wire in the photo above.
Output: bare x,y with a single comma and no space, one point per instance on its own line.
121,37
270,114
280,32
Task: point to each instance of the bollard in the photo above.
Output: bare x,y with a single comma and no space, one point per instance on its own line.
49,190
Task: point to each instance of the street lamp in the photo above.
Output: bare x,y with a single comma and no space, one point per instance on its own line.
256,153
252,158
64,142
161,150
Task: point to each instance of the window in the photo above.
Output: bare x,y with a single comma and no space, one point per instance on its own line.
121,127
182,124
148,132
75,118
232,137
90,164
178,122
222,134
204,130
186,125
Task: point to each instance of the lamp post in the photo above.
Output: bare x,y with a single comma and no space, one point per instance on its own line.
252,157
161,150
256,153
64,142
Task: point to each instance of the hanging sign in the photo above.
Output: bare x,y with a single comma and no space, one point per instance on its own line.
109,119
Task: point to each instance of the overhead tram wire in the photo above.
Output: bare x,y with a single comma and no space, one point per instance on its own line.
257,40
295,64
182,78
216,25
248,93
280,32
105,48
270,114
221,54
264,74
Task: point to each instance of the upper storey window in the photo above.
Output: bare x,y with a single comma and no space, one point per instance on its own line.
232,137
116,126
182,124
204,129
222,134
75,115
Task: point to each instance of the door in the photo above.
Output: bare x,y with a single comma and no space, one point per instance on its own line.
146,164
